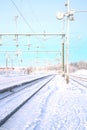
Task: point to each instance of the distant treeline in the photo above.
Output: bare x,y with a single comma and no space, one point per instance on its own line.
27,70
78,65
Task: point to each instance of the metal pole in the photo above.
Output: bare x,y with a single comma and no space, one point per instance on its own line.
63,50
6,66
16,20
67,44
63,57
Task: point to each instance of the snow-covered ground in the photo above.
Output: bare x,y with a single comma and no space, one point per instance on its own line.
82,73
58,106
16,79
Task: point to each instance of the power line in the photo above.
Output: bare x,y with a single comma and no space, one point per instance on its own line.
35,16
24,19
22,16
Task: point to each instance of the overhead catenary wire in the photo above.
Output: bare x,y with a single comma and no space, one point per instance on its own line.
24,19
22,16
35,17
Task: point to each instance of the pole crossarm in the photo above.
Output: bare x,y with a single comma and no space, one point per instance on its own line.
41,51
80,11
32,34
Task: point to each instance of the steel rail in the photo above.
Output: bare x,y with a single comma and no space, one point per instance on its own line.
25,84
78,82
4,119
79,77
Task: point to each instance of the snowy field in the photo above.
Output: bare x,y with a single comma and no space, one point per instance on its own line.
82,73
58,106
17,79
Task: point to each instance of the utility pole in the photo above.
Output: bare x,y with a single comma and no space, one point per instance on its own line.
60,16
16,21
7,59
16,36
63,56
63,49
67,41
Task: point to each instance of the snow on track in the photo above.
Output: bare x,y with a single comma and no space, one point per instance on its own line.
10,104
57,107
12,80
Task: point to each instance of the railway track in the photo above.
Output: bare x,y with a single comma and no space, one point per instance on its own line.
77,80
4,93
12,102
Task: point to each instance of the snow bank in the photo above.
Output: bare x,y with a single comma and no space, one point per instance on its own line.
81,72
11,80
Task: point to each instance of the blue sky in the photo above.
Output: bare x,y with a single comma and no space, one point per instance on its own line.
40,17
